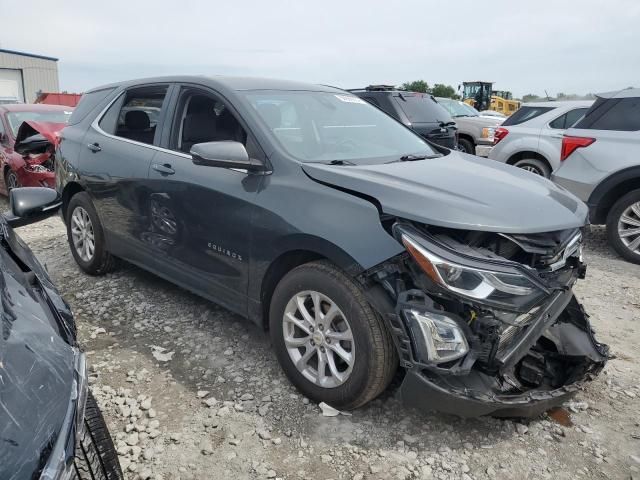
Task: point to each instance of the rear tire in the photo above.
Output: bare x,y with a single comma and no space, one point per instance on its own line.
466,146
534,165
629,207
96,457
82,217
373,356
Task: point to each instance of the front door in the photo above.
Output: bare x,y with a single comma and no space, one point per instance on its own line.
199,216
121,145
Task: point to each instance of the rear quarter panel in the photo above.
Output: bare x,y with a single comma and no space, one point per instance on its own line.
519,139
586,168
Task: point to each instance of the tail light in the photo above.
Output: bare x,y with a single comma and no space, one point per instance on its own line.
499,134
570,144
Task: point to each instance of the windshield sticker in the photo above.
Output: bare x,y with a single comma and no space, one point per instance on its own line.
350,99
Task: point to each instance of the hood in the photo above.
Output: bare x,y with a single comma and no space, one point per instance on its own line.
36,367
479,121
460,191
36,137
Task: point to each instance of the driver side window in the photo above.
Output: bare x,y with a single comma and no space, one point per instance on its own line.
201,117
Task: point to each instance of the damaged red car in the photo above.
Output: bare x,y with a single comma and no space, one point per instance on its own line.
28,136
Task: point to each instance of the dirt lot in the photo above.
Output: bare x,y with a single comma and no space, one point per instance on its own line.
191,391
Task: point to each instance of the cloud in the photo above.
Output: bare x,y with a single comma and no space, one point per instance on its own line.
577,46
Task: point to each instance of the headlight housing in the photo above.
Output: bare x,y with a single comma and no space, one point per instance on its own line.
437,338
498,283
488,133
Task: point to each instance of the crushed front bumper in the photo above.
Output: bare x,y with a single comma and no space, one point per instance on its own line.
571,356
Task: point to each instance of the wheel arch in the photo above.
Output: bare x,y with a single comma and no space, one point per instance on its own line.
70,189
468,137
307,249
608,191
528,154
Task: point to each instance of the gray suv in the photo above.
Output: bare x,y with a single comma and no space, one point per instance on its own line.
600,163
362,247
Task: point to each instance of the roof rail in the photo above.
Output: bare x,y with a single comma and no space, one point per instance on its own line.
380,88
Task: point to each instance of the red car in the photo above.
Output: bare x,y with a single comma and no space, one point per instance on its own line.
31,130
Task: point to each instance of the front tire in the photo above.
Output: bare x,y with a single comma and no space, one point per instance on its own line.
623,226
86,236
534,165
329,341
96,457
466,146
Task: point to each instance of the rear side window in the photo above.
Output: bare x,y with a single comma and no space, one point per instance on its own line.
621,114
136,114
422,108
87,103
568,119
524,114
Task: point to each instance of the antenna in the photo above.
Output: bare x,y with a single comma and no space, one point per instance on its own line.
548,97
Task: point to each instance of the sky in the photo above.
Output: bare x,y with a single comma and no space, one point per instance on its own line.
584,46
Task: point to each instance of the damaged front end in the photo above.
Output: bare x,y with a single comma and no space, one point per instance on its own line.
487,323
36,142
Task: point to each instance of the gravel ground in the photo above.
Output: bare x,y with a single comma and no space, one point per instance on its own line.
191,391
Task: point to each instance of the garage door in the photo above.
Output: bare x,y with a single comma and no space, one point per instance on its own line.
11,83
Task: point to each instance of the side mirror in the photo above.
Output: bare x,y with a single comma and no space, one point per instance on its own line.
225,154
31,204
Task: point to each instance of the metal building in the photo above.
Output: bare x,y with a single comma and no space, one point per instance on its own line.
23,75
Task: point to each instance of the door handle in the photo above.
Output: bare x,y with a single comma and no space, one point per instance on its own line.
164,168
94,147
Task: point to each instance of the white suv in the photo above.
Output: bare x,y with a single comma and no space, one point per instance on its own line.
531,138
601,165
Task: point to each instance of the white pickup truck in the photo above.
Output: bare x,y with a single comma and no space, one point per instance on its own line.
475,132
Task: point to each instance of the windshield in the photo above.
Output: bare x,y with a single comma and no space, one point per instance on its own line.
326,127
458,109
16,118
422,108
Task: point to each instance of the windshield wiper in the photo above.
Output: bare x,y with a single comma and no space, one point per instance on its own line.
413,158
335,162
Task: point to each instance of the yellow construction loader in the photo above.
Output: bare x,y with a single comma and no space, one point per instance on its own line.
482,96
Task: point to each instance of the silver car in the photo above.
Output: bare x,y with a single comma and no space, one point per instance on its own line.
600,163
531,138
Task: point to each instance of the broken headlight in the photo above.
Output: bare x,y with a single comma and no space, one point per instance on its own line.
485,280
438,338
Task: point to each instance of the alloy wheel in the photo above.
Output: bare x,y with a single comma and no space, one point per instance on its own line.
532,169
319,339
82,234
12,180
629,227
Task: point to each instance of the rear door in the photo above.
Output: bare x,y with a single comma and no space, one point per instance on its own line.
198,217
551,134
118,149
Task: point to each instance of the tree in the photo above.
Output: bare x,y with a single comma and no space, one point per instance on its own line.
445,91
530,97
415,86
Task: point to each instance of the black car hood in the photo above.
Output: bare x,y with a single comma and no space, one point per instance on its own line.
36,363
460,191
